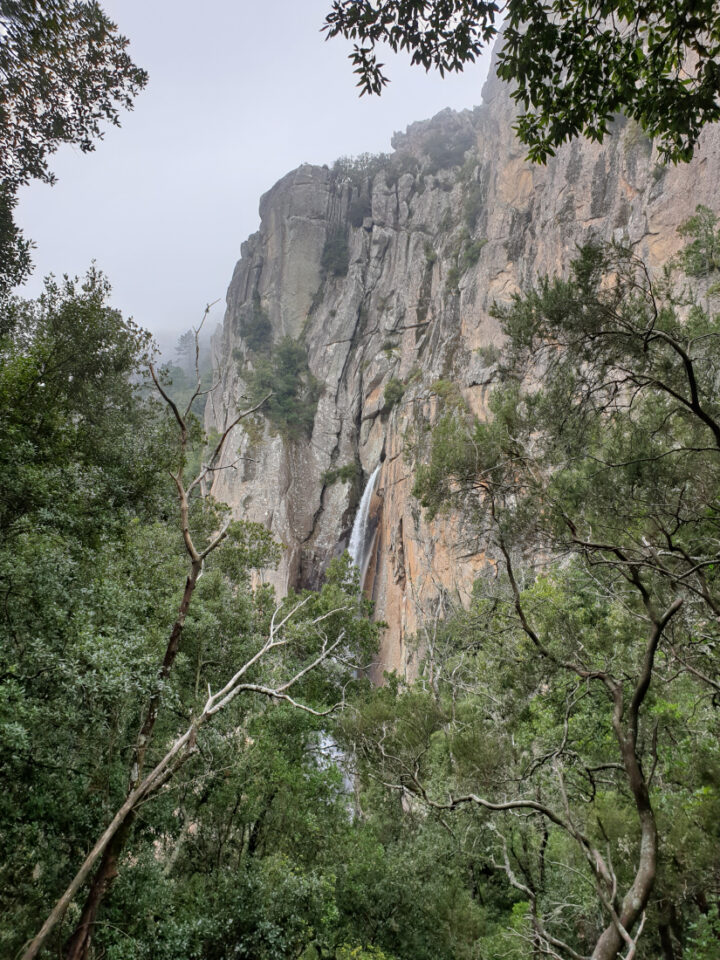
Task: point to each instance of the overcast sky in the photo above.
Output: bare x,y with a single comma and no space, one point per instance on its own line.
240,92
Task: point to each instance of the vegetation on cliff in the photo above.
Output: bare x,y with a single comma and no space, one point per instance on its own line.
194,768
283,376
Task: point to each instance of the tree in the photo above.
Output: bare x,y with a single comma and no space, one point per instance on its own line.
573,68
286,648
284,374
573,707
82,457
64,72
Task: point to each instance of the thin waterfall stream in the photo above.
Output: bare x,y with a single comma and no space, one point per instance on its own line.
360,541
359,550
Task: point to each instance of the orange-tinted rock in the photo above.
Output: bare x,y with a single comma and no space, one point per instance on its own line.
428,252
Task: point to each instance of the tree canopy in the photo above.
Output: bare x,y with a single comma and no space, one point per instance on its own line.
573,66
591,651
64,73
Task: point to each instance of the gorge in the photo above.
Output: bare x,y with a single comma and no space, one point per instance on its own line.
385,625
385,269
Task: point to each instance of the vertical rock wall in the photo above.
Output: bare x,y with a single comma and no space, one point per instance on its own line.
451,221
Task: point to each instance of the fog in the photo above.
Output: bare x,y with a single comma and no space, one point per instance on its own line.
238,95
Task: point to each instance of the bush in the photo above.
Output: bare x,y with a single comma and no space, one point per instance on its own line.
452,281
394,390
345,474
470,254
295,391
336,253
489,354
450,393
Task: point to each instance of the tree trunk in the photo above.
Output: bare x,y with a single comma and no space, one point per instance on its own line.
78,946
666,943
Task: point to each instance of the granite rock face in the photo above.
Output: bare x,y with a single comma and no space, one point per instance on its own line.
430,236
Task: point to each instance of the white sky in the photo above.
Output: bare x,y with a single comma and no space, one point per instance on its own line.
240,92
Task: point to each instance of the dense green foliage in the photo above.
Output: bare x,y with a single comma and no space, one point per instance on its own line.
64,71
81,458
581,687
284,377
573,67
393,393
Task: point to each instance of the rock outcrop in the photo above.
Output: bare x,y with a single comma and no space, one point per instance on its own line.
385,269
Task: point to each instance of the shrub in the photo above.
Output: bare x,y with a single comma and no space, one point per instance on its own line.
470,254
452,281
449,391
345,474
295,391
394,390
336,253
489,354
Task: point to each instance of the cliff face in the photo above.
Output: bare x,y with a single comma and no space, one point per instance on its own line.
385,271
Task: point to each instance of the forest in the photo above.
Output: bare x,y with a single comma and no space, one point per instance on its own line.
197,765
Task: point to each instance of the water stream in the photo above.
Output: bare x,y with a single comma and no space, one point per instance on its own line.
359,550
360,541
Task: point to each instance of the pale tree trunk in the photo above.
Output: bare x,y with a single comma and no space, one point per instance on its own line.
79,943
618,933
111,844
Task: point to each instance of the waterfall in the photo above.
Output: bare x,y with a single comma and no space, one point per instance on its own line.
358,548
330,753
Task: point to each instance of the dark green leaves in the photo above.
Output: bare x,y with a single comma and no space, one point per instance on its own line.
573,67
285,373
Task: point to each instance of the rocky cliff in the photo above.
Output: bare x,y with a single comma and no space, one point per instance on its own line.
384,271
